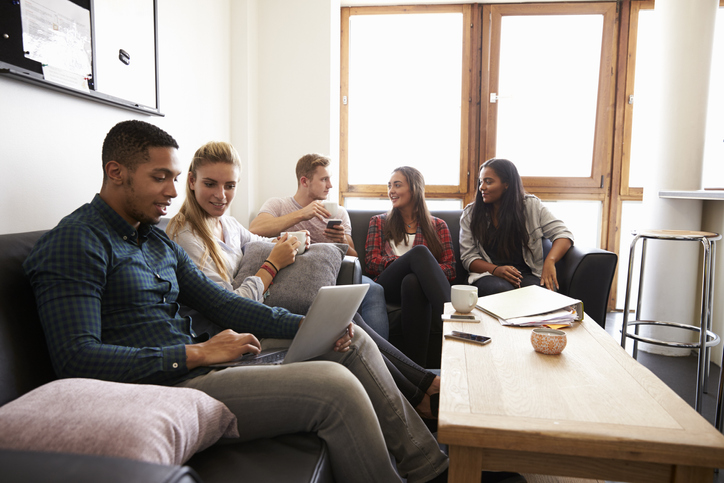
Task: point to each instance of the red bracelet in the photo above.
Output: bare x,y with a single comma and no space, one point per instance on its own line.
269,269
273,266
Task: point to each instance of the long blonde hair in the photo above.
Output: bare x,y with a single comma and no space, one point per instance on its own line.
191,212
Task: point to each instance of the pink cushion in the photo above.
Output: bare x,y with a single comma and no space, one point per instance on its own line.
157,424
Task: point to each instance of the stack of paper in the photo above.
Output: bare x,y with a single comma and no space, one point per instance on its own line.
532,306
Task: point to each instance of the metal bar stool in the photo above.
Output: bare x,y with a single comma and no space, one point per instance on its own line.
707,338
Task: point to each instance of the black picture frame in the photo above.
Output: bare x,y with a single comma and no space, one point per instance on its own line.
15,65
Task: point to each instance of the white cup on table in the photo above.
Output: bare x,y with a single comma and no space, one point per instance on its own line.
464,298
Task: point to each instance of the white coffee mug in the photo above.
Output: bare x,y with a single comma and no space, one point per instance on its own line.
464,297
302,237
331,206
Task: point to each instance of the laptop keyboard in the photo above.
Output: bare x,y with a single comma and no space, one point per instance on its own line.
273,358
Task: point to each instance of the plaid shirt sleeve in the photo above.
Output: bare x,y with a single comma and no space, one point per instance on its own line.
68,270
376,256
448,256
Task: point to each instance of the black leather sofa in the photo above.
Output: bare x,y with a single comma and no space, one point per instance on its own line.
25,365
583,273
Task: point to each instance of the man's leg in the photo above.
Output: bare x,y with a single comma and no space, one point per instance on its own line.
418,455
317,396
373,308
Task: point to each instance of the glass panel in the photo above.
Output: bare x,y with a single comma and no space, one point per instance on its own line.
645,94
405,81
713,170
631,219
549,70
383,204
583,218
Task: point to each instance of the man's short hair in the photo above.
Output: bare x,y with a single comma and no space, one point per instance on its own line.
308,164
127,143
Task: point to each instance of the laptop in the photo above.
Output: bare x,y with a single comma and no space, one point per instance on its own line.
326,320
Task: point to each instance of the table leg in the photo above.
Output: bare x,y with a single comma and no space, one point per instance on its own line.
692,474
465,464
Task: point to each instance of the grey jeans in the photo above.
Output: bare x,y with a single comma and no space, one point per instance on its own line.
354,406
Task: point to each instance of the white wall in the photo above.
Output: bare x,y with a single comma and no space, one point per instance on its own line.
288,106
50,143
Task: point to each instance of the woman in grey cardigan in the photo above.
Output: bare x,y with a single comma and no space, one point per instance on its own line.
501,234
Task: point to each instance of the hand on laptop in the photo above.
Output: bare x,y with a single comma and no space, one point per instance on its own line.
223,347
343,343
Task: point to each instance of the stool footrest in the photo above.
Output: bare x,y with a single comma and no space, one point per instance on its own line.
712,338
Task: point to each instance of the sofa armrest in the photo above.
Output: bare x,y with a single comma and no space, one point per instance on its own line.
35,466
350,272
586,274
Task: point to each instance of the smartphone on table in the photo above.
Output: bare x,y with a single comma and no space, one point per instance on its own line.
468,337
460,318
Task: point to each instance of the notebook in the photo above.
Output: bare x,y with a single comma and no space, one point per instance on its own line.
533,300
326,320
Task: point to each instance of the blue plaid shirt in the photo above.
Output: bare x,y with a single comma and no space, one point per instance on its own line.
108,299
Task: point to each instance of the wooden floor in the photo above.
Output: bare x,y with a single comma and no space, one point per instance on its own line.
557,479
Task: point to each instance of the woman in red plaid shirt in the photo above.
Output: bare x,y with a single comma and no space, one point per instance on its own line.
409,252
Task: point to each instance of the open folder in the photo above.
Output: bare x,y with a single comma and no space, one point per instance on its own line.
532,305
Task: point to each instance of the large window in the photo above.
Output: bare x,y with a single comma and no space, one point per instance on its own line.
550,93
405,100
550,86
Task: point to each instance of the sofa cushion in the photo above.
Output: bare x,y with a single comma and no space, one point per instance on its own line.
296,285
157,424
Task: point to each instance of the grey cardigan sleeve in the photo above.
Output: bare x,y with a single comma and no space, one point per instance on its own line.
469,250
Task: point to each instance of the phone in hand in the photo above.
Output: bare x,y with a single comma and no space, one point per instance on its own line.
468,337
331,223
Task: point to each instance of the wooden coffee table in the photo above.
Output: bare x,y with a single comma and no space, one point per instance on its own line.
590,412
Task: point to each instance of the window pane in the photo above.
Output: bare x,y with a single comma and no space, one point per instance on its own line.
548,90
645,95
383,204
405,81
583,218
631,216
713,171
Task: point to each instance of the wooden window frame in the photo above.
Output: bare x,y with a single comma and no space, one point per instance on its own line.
595,186
470,102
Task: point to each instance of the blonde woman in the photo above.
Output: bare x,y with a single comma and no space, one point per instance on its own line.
215,242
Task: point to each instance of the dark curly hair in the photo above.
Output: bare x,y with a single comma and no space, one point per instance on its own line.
127,143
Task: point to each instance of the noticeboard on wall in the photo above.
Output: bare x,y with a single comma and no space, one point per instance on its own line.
103,50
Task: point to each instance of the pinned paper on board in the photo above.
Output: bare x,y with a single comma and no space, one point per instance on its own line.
58,35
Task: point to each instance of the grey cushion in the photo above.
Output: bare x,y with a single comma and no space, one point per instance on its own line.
296,285
143,422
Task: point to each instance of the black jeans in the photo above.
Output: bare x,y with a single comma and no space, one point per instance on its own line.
411,379
418,284
491,284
